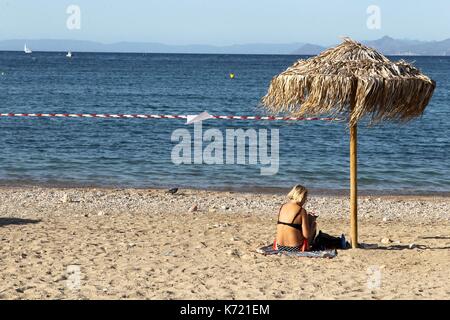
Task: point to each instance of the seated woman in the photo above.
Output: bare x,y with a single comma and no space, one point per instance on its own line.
296,228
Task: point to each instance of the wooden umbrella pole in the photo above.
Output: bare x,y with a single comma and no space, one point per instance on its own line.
353,186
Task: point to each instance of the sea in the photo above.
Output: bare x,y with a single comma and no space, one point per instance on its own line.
411,158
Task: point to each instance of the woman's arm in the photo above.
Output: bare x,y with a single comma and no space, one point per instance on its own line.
306,229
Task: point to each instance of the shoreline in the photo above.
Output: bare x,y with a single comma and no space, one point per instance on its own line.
26,200
243,189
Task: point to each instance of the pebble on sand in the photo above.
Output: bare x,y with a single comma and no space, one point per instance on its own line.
234,252
386,241
193,208
65,198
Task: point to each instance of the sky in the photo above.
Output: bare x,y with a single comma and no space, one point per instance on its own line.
225,22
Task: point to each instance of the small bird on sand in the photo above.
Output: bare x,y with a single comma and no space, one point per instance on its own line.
172,191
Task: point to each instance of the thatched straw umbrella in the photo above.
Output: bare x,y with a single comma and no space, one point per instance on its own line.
354,81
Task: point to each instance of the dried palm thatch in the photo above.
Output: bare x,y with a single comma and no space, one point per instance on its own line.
351,76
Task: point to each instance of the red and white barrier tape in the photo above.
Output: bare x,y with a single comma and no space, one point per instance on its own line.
158,116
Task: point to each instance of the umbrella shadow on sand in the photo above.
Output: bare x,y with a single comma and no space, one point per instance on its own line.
16,221
437,237
395,247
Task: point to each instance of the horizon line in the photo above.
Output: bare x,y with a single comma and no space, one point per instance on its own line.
214,45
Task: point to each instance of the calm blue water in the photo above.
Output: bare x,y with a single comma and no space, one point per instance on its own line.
412,158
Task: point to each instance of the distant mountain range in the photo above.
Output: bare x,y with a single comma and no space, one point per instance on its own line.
391,46
386,45
145,47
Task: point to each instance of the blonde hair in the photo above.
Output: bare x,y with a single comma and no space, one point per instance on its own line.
298,193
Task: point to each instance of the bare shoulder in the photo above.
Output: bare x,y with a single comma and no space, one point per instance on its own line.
291,207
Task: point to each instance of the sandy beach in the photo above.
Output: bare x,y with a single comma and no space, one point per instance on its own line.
94,243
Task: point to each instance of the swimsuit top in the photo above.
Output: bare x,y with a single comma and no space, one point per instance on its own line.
297,226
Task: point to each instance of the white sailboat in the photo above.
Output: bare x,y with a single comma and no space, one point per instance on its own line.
26,49
69,54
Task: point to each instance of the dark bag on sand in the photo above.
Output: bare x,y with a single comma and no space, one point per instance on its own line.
324,241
